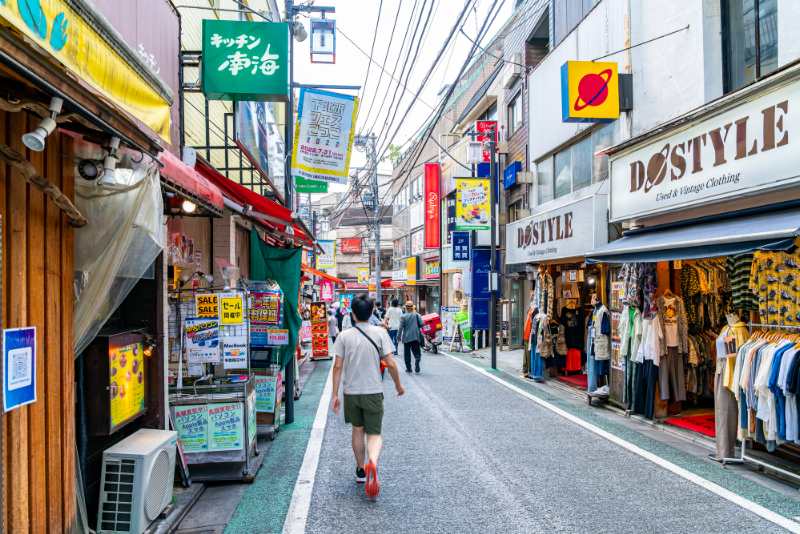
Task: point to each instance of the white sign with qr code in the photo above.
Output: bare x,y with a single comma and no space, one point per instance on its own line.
20,374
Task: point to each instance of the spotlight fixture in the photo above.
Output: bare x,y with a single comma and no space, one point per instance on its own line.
189,207
299,31
89,169
109,164
35,139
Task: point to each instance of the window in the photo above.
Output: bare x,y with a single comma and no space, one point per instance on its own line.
568,14
514,114
576,167
750,37
512,211
490,114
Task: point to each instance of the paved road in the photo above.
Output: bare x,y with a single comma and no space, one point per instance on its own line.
463,453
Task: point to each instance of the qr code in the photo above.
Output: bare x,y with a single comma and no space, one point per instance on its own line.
20,367
19,363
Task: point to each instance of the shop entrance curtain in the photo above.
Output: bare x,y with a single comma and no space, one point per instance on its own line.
283,266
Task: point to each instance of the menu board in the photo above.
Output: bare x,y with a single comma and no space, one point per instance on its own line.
126,382
319,330
267,390
225,426
191,423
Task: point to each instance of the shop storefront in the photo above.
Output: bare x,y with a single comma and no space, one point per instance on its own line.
549,248
711,200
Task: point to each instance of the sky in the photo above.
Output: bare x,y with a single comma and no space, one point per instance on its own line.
357,19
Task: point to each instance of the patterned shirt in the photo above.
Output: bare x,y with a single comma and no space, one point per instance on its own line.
690,287
774,280
631,274
739,268
649,287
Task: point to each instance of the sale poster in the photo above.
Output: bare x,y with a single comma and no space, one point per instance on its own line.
234,352
615,319
207,305
231,308
202,340
305,332
191,423
126,386
278,336
225,426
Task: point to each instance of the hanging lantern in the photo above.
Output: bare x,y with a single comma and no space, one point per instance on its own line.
323,41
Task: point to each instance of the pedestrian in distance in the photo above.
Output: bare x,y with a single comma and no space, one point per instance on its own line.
361,353
411,336
348,322
333,331
392,322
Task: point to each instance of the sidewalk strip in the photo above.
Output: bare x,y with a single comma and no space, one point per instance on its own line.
757,509
301,499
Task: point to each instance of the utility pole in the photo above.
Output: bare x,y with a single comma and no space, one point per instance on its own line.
493,278
368,141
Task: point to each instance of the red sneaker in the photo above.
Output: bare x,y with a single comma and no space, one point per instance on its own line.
373,487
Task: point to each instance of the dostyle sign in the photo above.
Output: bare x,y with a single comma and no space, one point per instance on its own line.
564,232
738,151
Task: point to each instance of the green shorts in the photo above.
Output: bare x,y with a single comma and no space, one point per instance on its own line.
364,411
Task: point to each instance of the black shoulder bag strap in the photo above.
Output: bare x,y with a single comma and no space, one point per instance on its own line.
380,356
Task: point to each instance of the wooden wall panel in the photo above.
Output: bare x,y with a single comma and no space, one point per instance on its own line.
37,266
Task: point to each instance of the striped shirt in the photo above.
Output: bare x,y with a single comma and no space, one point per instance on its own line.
739,268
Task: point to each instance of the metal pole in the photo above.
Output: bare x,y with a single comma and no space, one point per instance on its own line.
376,210
493,266
289,415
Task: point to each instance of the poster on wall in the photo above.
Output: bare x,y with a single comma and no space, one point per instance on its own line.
305,332
266,393
19,367
472,204
617,288
225,426
615,319
327,260
417,243
351,246
326,290
191,423
617,359
345,300
126,386
363,275
234,352
202,340
319,330
265,313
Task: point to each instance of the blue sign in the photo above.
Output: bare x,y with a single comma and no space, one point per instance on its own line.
480,314
481,267
461,246
311,260
484,170
510,174
19,367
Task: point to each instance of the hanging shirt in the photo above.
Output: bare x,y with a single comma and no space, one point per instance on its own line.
671,321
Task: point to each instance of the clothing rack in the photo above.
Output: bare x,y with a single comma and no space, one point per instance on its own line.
744,457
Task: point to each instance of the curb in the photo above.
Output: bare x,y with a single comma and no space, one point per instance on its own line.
179,510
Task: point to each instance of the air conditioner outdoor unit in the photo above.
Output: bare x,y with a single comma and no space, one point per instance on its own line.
512,70
136,482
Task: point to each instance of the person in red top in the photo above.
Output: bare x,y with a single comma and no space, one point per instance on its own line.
526,358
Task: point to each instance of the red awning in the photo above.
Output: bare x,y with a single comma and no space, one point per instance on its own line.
310,270
396,283
189,184
278,214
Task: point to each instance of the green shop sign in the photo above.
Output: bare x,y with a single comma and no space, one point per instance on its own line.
302,185
245,60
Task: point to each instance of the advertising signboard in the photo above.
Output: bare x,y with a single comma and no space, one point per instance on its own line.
472,204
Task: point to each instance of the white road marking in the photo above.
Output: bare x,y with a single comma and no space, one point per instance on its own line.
757,509
301,499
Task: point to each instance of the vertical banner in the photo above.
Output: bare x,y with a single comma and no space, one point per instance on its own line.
473,199
326,290
363,275
411,271
432,206
319,330
323,138
345,300
19,367
461,246
486,127
327,260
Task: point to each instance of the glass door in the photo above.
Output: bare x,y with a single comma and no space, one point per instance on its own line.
515,315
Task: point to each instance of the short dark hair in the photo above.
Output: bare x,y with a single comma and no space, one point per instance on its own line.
362,307
395,303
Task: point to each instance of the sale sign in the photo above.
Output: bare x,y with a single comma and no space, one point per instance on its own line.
207,305
432,208
278,337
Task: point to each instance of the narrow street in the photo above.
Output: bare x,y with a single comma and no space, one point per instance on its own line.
468,449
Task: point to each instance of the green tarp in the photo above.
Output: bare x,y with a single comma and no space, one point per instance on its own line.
283,266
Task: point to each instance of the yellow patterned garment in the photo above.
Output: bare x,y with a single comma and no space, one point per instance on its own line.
774,280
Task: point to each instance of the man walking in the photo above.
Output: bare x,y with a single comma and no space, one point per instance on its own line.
411,336
392,322
359,352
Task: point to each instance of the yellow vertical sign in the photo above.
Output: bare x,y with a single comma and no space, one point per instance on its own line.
411,271
231,308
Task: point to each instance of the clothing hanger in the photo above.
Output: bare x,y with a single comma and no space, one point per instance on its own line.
667,293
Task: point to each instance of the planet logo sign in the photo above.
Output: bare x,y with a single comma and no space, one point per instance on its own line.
589,92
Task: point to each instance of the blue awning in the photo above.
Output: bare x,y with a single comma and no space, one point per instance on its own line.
773,231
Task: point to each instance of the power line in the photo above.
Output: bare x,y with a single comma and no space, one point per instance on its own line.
369,63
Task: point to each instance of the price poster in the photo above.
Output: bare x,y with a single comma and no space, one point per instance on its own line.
265,308
126,386
234,352
225,426
191,423
615,319
278,337
231,308
267,388
207,306
202,340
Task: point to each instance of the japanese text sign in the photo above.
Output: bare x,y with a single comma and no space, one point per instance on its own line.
461,246
126,383
266,393
486,127
232,308
327,260
278,337
225,426
245,60
191,422
19,367
326,290
432,207
345,299
207,306
234,352
323,137
202,340
472,204
589,92
265,308
351,246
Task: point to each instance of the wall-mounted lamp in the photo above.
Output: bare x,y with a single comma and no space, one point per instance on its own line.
189,207
109,164
35,139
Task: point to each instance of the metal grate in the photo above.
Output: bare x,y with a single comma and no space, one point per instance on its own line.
157,485
118,485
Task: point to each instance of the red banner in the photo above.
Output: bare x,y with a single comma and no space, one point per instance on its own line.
432,206
351,246
485,127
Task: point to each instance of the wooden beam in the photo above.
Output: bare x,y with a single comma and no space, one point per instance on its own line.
28,172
